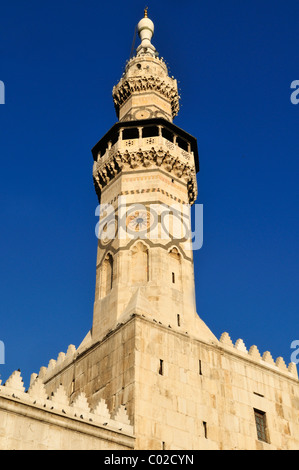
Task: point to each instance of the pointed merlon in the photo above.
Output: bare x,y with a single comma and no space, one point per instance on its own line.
60,358
225,339
101,410
37,392
254,353
51,365
240,345
70,351
15,382
268,358
121,416
281,364
60,397
80,405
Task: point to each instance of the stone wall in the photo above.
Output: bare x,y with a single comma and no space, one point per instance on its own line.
32,420
182,392
203,394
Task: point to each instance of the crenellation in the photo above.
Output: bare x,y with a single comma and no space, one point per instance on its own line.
59,398
55,366
14,384
59,402
267,357
226,339
281,364
51,365
37,392
80,406
60,359
254,354
240,345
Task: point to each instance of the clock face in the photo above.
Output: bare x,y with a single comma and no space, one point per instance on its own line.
138,221
143,114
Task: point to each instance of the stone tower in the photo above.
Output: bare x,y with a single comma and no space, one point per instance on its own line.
145,177
150,374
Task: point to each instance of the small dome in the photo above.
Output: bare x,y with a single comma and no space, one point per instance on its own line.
145,29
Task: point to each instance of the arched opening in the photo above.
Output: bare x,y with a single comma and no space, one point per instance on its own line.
174,264
140,264
106,276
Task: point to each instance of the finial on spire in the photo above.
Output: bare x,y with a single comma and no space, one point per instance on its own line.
145,30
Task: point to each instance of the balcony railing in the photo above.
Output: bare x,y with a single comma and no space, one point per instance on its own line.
146,143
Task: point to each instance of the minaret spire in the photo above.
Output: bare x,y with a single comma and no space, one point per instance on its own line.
146,90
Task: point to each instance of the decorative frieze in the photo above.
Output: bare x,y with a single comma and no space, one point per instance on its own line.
126,87
107,169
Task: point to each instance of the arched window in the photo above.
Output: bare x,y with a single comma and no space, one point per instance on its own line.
175,274
140,268
106,275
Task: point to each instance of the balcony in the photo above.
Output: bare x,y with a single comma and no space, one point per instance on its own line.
145,138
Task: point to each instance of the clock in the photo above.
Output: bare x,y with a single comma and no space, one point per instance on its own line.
139,221
143,114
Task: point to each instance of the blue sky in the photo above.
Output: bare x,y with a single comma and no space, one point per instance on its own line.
234,62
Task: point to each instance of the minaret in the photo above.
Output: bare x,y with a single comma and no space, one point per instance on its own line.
145,178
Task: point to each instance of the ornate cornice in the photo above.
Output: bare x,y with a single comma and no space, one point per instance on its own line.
116,162
124,89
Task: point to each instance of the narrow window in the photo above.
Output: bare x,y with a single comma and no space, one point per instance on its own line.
163,445
199,367
260,421
178,320
106,276
174,260
73,386
205,430
161,367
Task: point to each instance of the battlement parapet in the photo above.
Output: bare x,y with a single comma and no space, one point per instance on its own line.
253,353
56,365
59,402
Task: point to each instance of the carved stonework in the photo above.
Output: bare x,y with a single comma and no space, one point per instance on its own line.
126,87
104,172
